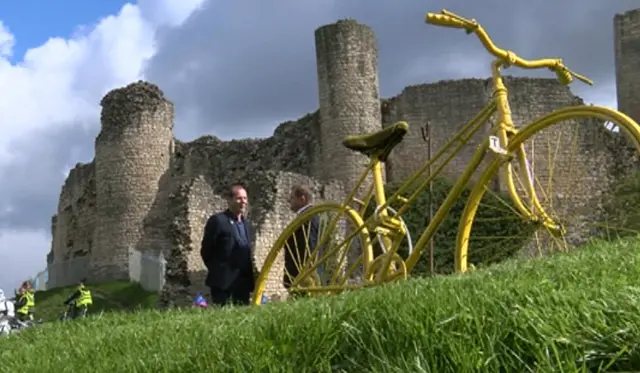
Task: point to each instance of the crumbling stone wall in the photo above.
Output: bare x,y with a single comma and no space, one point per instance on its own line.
189,206
74,222
73,225
347,61
447,106
201,204
133,151
627,56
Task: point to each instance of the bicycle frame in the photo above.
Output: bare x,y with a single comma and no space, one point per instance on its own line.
503,129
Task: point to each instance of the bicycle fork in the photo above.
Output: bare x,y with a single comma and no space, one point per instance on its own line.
534,212
499,144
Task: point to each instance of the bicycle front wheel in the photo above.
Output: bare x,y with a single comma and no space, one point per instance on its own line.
323,251
583,164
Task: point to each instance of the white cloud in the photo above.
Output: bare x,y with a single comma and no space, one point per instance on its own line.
60,82
59,85
7,41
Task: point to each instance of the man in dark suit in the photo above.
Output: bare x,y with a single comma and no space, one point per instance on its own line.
304,239
227,251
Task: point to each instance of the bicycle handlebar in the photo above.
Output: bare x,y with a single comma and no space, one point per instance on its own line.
449,19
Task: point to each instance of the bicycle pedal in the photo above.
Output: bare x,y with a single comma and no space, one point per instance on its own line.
494,145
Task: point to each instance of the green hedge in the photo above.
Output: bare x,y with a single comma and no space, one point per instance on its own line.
493,219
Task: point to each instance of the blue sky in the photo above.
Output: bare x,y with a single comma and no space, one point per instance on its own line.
32,22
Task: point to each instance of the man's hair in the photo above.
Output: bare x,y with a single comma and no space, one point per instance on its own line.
302,191
233,187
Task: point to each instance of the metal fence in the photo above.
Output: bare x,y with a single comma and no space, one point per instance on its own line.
68,272
145,268
40,280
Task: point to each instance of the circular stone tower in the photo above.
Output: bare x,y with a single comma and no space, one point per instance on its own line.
347,62
133,151
626,28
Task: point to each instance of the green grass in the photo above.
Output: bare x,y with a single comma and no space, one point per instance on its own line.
107,297
570,313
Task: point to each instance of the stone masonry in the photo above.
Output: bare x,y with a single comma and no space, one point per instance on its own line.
149,192
627,56
347,59
133,151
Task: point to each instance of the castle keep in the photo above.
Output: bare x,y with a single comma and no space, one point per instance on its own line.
146,192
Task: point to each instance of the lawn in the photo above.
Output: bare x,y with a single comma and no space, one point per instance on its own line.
106,297
574,312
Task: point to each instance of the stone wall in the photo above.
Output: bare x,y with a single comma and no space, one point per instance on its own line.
627,55
200,205
448,106
75,221
73,226
347,61
132,152
190,205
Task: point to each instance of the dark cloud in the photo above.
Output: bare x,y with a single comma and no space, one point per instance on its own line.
22,254
32,181
29,192
237,70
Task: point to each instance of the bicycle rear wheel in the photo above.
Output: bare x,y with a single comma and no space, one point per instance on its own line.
583,162
334,264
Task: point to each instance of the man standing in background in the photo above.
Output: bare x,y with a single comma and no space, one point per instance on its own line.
227,251
304,239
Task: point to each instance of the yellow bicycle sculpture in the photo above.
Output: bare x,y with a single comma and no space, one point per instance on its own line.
337,263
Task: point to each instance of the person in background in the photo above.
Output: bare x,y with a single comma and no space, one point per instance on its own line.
7,313
80,300
25,302
199,301
304,239
227,251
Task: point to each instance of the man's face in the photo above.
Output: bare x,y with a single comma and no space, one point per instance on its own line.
238,201
296,203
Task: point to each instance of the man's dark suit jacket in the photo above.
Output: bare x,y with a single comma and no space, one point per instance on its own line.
299,245
223,256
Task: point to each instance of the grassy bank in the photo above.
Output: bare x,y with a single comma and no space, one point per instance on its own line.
571,313
107,297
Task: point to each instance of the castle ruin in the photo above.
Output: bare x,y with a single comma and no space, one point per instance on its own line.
147,192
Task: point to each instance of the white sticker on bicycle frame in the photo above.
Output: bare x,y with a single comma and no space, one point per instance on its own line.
494,145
